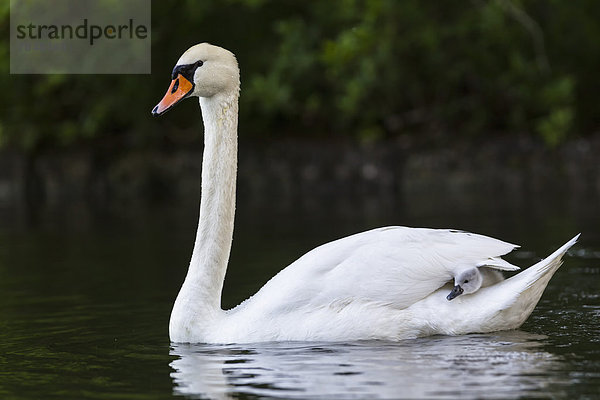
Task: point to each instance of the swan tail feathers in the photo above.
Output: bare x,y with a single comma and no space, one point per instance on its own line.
548,266
528,287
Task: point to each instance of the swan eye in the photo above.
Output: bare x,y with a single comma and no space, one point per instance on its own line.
187,70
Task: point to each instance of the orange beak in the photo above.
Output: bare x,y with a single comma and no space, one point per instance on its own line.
179,89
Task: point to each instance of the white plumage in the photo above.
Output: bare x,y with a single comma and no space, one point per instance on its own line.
387,283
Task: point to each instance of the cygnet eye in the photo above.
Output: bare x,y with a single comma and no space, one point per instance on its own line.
466,281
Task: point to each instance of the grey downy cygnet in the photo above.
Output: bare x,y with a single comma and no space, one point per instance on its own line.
472,279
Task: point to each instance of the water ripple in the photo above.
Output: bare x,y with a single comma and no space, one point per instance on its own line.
509,364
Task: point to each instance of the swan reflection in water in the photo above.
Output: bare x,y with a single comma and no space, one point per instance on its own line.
503,364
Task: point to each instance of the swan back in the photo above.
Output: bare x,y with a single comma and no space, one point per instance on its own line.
500,306
395,265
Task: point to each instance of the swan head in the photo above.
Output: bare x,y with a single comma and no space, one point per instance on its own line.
467,281
203,70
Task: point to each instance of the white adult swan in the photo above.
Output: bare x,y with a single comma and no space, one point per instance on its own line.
387,283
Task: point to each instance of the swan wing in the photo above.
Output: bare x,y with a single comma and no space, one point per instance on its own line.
395,266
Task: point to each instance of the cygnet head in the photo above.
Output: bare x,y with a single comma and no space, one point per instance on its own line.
203,70
467,281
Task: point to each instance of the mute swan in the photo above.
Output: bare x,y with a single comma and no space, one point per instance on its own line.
387,283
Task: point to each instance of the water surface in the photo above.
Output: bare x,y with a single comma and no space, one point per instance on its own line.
86,296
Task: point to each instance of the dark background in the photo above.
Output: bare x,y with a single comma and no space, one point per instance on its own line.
498,84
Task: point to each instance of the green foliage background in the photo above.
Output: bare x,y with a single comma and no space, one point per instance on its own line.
368,69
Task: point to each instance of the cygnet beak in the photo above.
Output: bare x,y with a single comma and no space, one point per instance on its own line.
456,291
180,88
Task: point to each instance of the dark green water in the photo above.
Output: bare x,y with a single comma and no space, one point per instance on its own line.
85,298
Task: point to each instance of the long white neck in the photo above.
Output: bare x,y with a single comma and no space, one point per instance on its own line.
199,300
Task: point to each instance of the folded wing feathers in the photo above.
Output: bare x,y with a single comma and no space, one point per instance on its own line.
418,259
498,263
426,246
